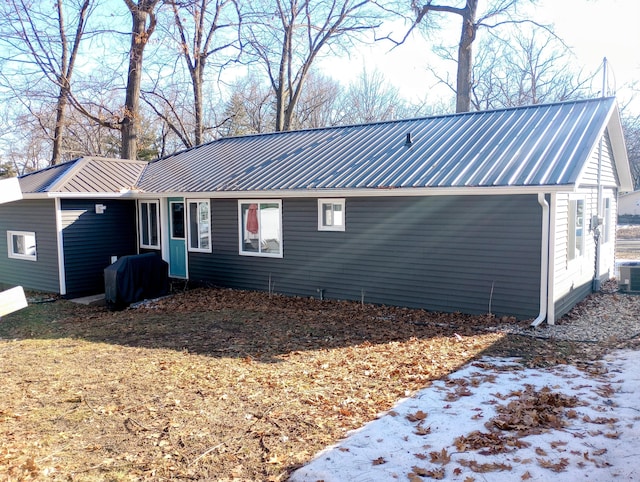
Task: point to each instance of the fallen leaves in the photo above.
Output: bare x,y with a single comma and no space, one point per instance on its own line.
416,417
273,380
558,466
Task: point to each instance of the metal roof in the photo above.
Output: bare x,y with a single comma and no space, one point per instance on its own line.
524,146
85,175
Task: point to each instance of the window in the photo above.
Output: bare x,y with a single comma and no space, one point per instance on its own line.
22,245
177,219
606,221
199,226
331,214
260,228
149,224
576,228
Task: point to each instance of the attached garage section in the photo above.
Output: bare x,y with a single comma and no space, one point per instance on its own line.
93,231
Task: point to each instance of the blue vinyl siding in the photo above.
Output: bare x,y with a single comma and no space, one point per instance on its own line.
32,216
442,253
90,239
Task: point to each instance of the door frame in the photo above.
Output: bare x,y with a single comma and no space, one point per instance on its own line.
167,239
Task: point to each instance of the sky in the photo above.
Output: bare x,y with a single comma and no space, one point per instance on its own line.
428,436
594,29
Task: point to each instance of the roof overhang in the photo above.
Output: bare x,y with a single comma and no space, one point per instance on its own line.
616,135
363,192
81,195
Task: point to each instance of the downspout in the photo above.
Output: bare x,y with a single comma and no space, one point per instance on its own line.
544,261
595,286
62,276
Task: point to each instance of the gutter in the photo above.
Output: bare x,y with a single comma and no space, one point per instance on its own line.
544,262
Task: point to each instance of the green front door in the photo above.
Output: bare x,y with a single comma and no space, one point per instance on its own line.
177,239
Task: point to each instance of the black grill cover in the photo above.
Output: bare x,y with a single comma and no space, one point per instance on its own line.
135,278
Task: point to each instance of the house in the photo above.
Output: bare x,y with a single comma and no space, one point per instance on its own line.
72,219
509,211
629,207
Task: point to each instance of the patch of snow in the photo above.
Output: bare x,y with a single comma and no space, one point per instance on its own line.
599,439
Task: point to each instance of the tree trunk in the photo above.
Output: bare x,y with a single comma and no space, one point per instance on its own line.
196,78
465,57
58,130
140,33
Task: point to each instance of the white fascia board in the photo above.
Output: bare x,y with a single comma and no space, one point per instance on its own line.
620,156
367,192
80,195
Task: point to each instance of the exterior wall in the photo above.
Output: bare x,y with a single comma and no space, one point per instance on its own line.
629,204
442,253
574,278
33,216
90,239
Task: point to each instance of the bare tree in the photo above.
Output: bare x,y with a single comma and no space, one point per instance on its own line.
144,20
287,36
471,22
249,109
371,98
631,128
205,29
51,44
529,66
319,104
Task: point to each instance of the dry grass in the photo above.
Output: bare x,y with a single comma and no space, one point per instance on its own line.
215,384
631,231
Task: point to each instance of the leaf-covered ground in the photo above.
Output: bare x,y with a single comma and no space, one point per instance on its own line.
219,384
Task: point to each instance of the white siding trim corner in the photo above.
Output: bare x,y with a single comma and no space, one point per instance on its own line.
60,246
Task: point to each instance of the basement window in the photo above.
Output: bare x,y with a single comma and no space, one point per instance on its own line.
331,214
22,245
260,228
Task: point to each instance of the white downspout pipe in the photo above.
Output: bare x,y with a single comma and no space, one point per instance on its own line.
544,261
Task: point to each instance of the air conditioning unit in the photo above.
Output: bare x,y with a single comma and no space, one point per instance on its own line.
629,276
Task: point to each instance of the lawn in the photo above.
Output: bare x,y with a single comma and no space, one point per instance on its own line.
215,384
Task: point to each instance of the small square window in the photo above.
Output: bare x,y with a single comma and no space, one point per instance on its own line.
22,245
331,214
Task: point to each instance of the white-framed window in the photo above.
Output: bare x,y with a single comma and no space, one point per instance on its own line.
577,229
199,221
606,220
22,245
149,224
331,214
260,228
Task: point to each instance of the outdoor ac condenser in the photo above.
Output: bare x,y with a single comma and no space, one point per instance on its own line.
629,279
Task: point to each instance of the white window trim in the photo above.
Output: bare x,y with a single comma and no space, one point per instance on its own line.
171,223
11,254
241,228
606,220
188,209
149,246
572,256
340,201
